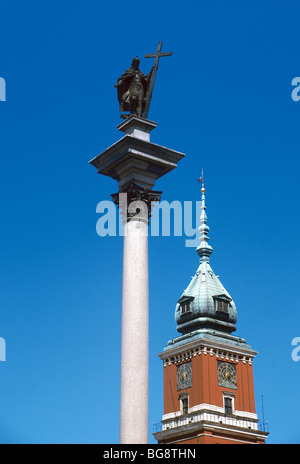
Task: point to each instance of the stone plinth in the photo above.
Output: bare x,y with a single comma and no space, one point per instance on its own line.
134,159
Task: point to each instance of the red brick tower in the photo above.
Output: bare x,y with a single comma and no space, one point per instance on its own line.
208,376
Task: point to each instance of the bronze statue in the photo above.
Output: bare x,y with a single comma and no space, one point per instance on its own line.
132,89
135,89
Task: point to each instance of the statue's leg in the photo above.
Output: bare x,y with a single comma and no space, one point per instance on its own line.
140,103
133,104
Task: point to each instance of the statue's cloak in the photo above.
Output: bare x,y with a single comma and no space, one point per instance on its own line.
123,89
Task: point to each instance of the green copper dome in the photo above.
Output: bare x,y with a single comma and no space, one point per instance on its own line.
205,304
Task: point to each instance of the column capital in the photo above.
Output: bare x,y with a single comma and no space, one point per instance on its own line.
135,202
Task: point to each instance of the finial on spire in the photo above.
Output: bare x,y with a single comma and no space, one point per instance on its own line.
204,250
201,180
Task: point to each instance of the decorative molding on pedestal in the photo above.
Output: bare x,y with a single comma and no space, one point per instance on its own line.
137,127
134,159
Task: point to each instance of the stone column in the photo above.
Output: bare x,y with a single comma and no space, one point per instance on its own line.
136,164
135,204
135,335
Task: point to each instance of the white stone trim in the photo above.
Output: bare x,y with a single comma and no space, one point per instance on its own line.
210,413
234,434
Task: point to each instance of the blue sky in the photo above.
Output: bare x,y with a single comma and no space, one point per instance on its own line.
223,99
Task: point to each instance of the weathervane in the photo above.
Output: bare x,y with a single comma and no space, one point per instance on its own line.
201,180
135,89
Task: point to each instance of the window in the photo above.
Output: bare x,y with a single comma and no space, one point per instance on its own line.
185,307
185,304
184,403
222,306
228,405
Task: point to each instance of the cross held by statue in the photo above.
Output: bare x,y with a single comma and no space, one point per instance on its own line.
157,56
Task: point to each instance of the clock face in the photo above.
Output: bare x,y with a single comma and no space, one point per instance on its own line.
184,376
227,375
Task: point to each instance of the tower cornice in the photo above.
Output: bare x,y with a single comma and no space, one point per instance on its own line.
207,347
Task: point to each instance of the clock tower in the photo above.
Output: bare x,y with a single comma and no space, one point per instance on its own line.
208,376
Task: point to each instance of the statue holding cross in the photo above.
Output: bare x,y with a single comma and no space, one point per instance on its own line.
135,89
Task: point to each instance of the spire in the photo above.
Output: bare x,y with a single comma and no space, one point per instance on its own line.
205,308
204,250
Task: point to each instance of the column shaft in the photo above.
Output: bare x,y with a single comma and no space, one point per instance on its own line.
135,336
